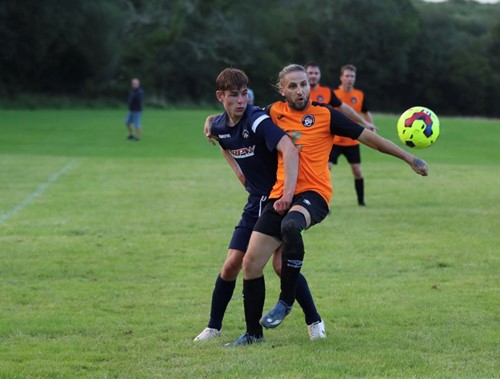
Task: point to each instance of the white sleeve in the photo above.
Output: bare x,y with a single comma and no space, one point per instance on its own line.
258,121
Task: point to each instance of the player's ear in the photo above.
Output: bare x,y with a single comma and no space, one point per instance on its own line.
219,95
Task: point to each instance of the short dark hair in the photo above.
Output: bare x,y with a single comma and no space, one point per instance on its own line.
231,79
311,64
349,67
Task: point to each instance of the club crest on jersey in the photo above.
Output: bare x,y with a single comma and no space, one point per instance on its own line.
245,134
308,120
354,100
320,99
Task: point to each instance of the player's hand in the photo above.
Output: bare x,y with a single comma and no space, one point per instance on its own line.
371,127
419,166
207,130
282,205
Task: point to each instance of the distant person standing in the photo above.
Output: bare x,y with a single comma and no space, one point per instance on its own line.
343,145
133,120
251,96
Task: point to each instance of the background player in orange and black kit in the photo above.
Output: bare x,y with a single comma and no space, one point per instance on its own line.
348,147
324,94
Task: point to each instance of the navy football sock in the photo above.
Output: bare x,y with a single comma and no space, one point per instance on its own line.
254,294
223,292
304,298
359,185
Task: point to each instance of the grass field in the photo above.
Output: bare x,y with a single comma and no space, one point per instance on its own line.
109,250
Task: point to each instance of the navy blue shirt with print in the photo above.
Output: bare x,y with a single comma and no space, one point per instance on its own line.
252,143
135,100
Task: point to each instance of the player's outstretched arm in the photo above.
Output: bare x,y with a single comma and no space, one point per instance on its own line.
369,118
291,162
234,165
353,115
385,146
207,129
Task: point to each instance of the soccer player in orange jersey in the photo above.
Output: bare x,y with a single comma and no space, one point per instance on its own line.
324,94
312,127
352,107
347,146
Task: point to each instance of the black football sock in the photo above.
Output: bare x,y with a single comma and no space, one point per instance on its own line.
254,294
292,254
304,298
359,185
223,292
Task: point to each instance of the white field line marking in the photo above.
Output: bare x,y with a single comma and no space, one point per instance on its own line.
41,188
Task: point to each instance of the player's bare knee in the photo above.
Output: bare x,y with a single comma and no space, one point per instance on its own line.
230,271
248,264
251,268
356,171
232,266
277,267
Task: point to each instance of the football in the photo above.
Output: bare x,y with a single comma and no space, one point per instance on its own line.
418,127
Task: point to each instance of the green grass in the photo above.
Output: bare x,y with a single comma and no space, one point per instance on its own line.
106,270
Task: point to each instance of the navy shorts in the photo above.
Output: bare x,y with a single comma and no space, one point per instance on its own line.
270,221
242,231
133,118
352,154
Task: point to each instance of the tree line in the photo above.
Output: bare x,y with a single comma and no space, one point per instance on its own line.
408,52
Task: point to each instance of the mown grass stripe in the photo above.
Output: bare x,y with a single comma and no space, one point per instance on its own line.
41,189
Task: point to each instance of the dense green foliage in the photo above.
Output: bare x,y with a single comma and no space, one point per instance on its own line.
408,52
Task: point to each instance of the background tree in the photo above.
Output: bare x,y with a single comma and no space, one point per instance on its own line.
408,52
55,46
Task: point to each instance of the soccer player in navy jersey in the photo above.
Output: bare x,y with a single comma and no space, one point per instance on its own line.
250,142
